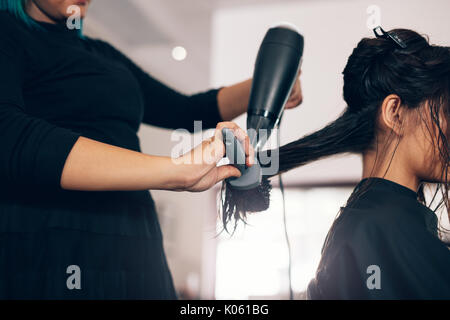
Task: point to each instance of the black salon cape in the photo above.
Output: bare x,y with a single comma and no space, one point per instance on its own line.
55,87
386,228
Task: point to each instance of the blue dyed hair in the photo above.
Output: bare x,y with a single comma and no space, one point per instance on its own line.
17,8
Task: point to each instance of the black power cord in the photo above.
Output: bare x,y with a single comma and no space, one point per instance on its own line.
286,234
288,243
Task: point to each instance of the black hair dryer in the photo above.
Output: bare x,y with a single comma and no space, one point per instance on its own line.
276,71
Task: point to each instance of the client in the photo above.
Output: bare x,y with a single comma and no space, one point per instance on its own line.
385,243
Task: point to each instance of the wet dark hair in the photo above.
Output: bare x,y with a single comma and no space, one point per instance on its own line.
419,74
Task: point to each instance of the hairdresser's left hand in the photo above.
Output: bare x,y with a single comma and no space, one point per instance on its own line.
296,96
233,100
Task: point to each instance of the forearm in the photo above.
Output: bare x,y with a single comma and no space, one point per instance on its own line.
96,166
233,100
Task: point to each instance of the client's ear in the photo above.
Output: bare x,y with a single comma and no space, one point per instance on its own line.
392,115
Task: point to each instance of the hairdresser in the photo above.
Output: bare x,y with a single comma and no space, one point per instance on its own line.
74,198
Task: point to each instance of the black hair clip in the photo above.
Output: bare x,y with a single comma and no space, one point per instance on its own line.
389,36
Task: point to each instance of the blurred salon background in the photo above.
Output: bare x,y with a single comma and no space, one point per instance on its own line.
199,44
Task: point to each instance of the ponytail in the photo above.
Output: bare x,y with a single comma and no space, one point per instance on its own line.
351,132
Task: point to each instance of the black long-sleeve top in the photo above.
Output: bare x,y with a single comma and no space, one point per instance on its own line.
56,86
384,245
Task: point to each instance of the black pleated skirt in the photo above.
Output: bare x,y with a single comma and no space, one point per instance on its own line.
82,245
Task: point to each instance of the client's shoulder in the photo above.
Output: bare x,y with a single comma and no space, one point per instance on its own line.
389,217
355,222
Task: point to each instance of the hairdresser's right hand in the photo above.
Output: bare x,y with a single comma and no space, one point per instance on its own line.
201,162
96,166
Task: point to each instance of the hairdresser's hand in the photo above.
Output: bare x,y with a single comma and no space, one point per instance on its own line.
296,96
233,100
201,162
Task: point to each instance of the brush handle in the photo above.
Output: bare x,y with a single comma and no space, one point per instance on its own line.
251,177
234,150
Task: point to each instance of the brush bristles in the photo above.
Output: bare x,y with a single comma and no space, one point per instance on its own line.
236,204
